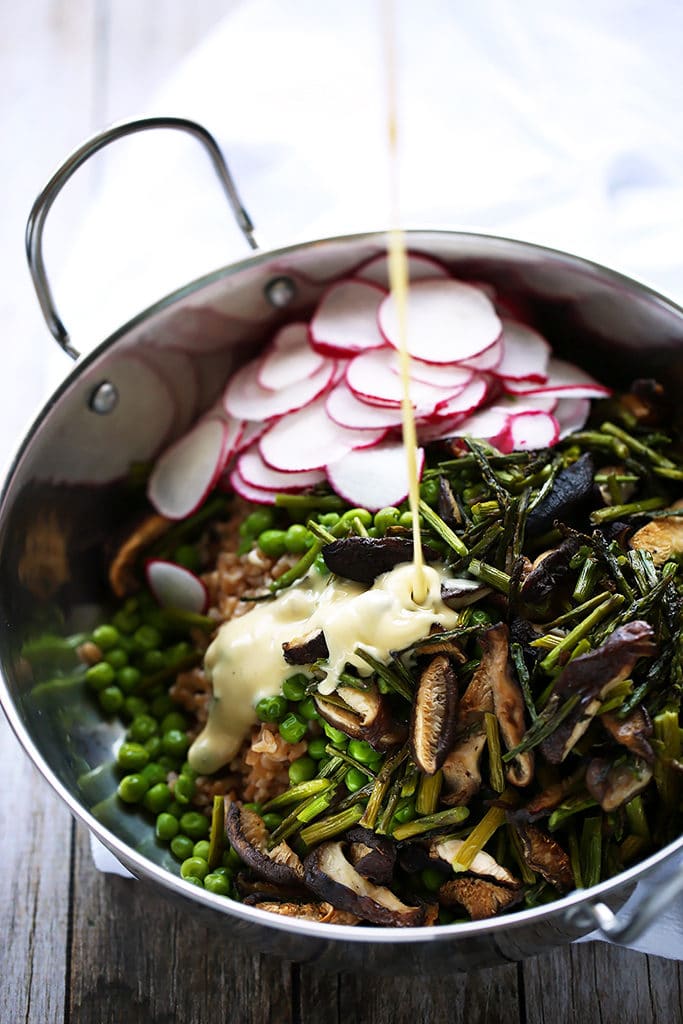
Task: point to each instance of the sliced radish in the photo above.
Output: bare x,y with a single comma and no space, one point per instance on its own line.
256,473
309,439
525,354
487,360
564,381
530,430
420,268
571,414
372,377
246,399
447,321
438,430
487,424
443,375
466,401
373,477
174,586
258,495
528,403
251,432
345,321
346,409
288,359
187,471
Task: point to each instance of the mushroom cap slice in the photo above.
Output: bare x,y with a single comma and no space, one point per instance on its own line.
662,537
368,716
433,715
461,774
363,559
248,835
613,785
373,856
304,650
479,897
483,863
333,878
508,703
322,913
632,732
543,854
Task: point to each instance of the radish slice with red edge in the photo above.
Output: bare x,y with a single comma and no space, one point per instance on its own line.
447,321
258,495
564,381
488,424
466,401
309,439
372,378
419,268
529,431
251,432
373,478
487,360
187,471
525,354
246,399
288,359
256,473
571,414
347,410
443,375
173,586
345,321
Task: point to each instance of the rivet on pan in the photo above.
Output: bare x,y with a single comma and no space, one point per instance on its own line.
280,291
104,398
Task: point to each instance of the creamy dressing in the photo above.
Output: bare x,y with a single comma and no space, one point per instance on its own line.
245,662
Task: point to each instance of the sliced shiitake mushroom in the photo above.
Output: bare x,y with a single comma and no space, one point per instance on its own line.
123,579
332,877
305,649
543,589
363,559
571,491
508,703
447,506
662,537
440,643
323,913
613,784
480,898
248,835
632,732
461,774
544,855
483,864
258,890
373,856
366,716
459,592
433,715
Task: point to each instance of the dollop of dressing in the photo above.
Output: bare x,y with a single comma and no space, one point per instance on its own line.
245,661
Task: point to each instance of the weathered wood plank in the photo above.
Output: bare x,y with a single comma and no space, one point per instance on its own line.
137,958
598,982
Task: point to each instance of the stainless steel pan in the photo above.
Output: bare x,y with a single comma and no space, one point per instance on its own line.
68,490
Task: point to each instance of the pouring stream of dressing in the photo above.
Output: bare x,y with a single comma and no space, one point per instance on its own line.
398,283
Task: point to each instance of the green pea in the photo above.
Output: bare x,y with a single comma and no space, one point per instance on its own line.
231,860
154,773
134,706
132,788
373,532
271,709
182,847
128,678
196,867
153,661
116,657
132,757
201,849
298,539
167,762
329,519
355,779
308,710
272,543
481,618
320,566
252,807
194,880
361,514
405,813
386,517
184,789
176,809
126,622
153,747
99,676
292,728
187,769
187,556
272,821
429,491
223,871
257,522
294,688
361,751
175,742
195,825
432,879
162,706
217,884
142,728
316,747
110,699
173,720
166,827
338,738
301,770
106,637
147,638
157,798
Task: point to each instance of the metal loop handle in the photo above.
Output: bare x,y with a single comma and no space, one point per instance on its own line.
615,927
43,204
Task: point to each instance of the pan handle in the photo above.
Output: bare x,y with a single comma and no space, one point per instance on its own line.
43,204
624,929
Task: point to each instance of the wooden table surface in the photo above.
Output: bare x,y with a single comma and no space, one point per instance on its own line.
78,946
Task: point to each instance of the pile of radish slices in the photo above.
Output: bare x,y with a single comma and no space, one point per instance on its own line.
323,401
